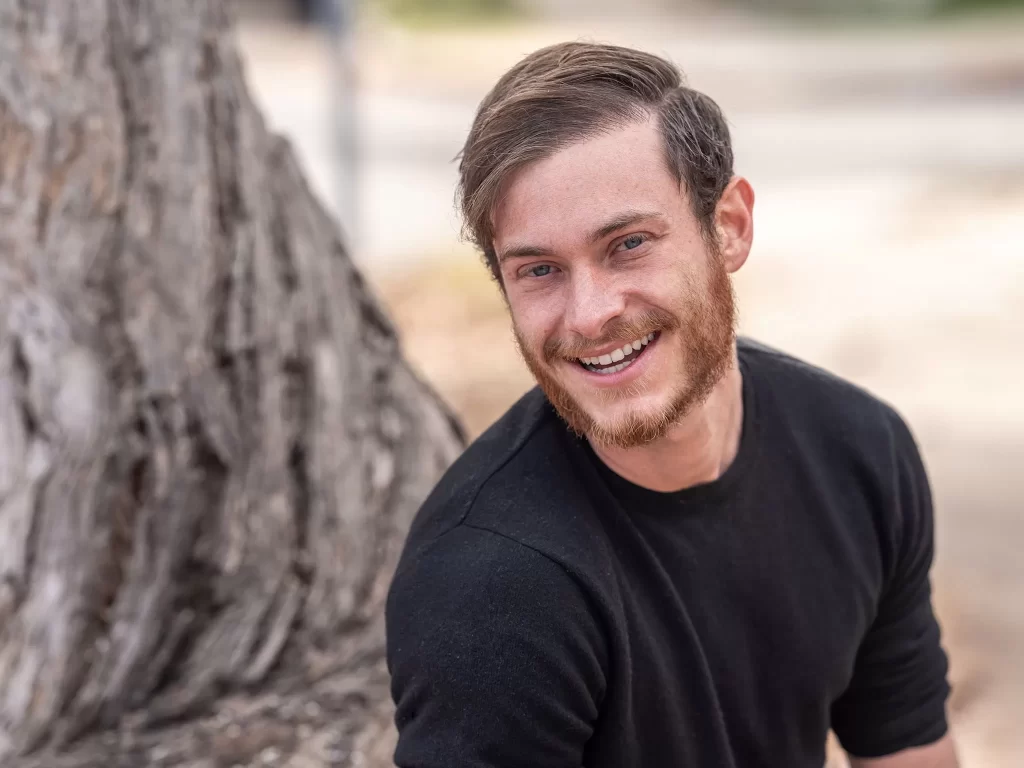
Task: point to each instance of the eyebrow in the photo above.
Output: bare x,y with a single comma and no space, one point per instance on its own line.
620,221
624,219
521,251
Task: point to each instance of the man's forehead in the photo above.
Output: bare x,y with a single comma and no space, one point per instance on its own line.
586,184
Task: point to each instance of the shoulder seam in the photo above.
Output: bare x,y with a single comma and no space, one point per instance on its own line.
585,591
572,576
501,465
522,544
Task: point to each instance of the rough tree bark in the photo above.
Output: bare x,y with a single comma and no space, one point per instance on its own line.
210,447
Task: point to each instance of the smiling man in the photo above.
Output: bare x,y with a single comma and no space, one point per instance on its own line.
681,549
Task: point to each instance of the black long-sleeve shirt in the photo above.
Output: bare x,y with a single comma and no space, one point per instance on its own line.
548,613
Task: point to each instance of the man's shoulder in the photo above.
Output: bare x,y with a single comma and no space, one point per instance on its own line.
517,479
793,381
820,406
510,514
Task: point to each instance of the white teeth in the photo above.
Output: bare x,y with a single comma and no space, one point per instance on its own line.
617,355
615,368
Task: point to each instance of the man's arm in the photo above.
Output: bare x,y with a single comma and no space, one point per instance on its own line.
496,657
941,754
893,712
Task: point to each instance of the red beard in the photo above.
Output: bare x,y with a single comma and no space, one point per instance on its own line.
707,336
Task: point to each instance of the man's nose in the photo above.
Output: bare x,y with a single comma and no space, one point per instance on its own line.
594,300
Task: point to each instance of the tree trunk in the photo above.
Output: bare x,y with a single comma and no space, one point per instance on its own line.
210,446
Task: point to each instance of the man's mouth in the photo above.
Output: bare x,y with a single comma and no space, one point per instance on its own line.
618,359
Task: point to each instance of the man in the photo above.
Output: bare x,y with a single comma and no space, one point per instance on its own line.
681,550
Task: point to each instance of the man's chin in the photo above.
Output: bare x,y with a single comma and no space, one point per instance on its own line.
630,430
621,425
614,417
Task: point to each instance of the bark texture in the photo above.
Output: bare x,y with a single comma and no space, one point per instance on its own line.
210,446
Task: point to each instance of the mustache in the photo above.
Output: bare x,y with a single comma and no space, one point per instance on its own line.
619,330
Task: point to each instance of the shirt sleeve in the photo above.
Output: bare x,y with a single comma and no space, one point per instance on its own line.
495,654
897,696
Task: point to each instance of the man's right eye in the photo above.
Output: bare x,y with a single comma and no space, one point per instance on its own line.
540,270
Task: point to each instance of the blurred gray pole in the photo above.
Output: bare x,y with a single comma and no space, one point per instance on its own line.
341,26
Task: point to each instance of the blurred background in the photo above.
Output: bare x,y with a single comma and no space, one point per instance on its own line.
885,141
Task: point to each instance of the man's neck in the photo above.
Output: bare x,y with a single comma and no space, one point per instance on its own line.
697,450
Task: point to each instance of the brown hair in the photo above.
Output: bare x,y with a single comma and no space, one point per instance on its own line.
571,91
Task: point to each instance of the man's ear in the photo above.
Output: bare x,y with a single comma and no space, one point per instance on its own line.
734,223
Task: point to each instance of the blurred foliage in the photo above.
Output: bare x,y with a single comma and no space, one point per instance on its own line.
963,6
426,12
451,11
867,10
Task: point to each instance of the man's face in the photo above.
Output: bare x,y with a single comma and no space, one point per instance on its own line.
622,310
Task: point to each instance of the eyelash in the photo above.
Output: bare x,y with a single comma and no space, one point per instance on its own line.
527,272
644,238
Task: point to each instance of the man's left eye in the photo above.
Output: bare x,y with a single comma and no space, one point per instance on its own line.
631,242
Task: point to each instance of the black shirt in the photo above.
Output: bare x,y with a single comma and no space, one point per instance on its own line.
547,612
